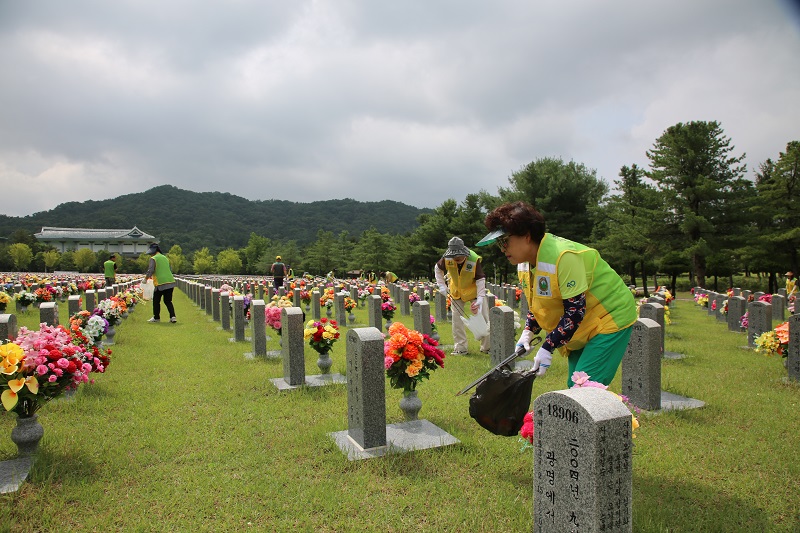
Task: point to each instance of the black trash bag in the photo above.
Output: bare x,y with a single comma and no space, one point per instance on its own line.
502,400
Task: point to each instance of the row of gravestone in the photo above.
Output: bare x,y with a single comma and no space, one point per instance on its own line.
48,311
759,320
583,439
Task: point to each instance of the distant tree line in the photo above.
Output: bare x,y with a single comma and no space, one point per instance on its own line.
692,211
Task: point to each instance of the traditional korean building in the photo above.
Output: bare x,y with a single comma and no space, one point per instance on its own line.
127,242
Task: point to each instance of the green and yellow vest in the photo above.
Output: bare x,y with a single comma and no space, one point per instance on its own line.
462,284
162,274
609,303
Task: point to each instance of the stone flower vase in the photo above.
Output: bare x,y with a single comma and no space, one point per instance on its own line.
109,340
328,311
410,404
351,318
324,362
388,323
27,434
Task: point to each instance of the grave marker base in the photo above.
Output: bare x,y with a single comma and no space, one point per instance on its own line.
673,355
246,339
13,473
674,402
318,380
403,437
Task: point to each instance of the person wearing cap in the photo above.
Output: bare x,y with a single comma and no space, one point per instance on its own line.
279,271
791,284
164,283
573,294
467,286
110,270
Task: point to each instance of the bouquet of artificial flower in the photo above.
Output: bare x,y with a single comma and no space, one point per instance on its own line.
349,304
89,325
43,294
4,298
388,308
305,297
38,367
111,309
413,297
774,342
410,357
25,298
273,316
321,334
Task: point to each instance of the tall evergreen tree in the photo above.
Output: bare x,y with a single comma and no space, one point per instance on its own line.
703,185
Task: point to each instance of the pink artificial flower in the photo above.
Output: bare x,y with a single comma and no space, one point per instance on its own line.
579,378
526,432
52,378
42,370
388,362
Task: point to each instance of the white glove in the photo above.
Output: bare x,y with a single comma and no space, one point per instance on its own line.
542,361
476,306
525,340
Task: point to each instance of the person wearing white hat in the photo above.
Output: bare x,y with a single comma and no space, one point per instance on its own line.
467,286
573,294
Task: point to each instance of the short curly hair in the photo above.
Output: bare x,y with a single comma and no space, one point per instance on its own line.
517,218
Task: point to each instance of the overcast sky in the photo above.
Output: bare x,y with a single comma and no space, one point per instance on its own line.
416,101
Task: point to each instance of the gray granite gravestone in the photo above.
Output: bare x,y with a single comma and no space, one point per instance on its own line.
641,365
422,317
368,435
441,307
315,305
502,336
296,301
261,291
374,313
757,295
73,304
737,291
405,303
91,303
490,301
258,322
8,327
746,295
293,351
736,309
101,295
201,296
719,301
366,398
238,319
215,310
655,312
209,299
759,320
48,313
793,352
778,307
582,462
225,310
338,304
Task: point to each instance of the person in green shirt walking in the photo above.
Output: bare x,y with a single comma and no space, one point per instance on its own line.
164,282
110,270
573,294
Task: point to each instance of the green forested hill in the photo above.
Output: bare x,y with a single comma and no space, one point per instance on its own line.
220,220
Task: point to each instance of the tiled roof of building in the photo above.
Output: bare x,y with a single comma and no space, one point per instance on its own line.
90,234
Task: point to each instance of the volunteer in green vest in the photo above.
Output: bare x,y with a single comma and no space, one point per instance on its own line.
110,270
389,277
467,286
791,284
164,282
573,294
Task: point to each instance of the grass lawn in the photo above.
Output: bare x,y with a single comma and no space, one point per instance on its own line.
182,433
